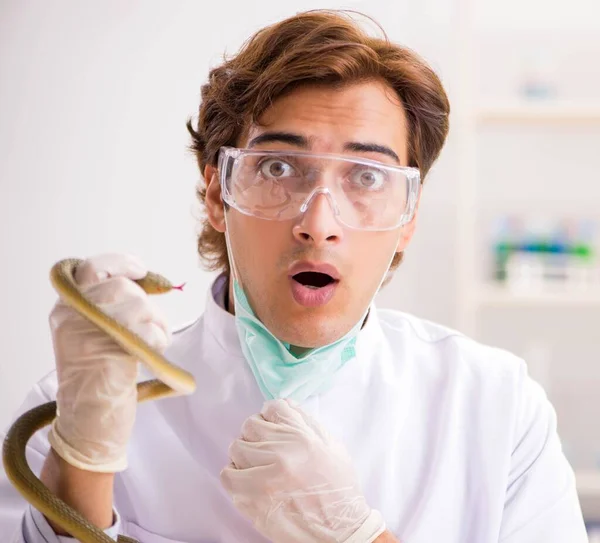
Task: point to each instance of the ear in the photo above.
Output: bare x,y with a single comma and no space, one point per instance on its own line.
408,230
215,211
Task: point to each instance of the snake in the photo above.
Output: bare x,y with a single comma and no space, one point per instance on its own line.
170,381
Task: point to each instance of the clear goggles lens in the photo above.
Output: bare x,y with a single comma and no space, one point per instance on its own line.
280,185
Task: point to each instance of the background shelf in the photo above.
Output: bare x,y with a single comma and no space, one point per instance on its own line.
540,112
588,483
506,296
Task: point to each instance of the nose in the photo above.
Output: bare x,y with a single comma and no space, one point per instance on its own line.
318,225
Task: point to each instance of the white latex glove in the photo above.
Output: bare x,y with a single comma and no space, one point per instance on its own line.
97,396
295,483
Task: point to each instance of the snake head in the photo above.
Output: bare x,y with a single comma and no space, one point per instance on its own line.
153,283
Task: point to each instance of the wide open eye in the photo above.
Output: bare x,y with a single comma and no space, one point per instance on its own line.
275,168
370,179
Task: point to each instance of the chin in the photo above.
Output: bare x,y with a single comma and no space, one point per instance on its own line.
311,333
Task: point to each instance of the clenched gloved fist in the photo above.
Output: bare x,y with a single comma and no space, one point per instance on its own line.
97,395
295,483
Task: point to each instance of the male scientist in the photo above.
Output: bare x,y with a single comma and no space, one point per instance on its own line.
317,417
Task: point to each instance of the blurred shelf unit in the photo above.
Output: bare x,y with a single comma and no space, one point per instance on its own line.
538,112
544,256
537,101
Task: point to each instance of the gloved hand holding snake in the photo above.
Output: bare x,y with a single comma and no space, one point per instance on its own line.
102,325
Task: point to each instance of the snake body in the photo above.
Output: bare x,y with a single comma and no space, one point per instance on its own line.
170,381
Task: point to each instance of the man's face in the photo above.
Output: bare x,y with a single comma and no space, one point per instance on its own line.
326,120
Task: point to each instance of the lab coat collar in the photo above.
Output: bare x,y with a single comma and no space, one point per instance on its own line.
218,322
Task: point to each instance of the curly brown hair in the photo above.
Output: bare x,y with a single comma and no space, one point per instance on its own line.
314,47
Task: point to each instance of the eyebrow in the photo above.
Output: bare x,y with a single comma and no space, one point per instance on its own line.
359,147
300,141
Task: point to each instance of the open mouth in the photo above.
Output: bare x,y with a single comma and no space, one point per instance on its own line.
314,280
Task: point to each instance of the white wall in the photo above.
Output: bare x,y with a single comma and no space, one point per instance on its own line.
93,102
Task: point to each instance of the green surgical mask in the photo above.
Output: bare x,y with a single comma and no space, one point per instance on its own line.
277,371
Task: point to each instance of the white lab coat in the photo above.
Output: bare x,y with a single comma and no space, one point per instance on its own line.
453,442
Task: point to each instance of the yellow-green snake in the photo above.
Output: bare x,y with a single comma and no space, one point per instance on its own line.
170,380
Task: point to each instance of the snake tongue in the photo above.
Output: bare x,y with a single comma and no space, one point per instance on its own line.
179,287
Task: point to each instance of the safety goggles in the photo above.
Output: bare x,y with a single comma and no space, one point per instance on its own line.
280,185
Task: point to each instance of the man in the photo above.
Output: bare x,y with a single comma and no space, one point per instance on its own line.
316,417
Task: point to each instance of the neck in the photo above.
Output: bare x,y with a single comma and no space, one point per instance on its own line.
229,303
230,306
